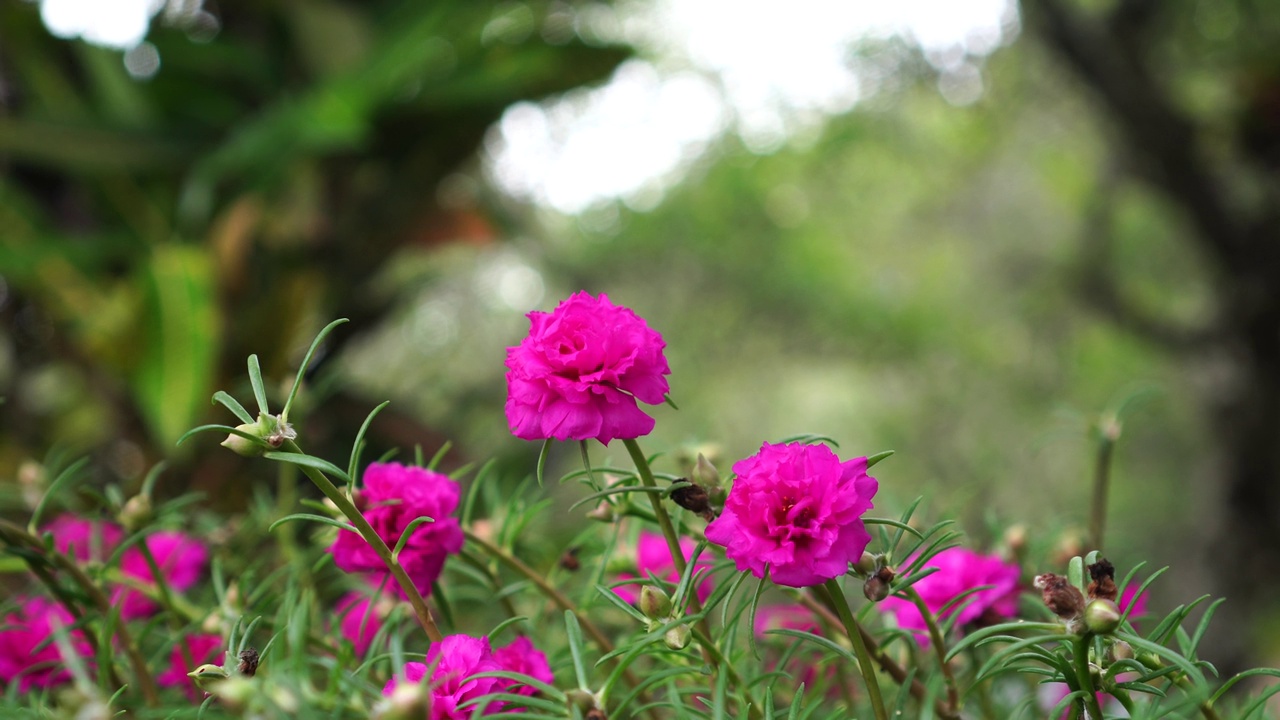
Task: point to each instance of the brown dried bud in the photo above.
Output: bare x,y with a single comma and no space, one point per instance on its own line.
569,560
876,588
693,497
248,662
1103,587
1060,596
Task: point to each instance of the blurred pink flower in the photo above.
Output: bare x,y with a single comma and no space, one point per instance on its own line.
84,539
960,569
453,664
653,557
361,619
579,372
796,510
1139,605
180,558
202,649
29,627
785,617
393,496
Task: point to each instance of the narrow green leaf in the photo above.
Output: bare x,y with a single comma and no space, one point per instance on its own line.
1075,574
306,361
872,460
66,477
233,405
352,464
667,399
542,458
259,388
435,459
313,518
893,523
221,429
310,461
408,532
576,648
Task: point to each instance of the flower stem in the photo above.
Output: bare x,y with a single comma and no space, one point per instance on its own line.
1089,703
841,604
886,663
380,548
701,632
1108,433
935,639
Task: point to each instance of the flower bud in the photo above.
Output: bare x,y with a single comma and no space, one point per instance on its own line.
243,446
677,638
1121,650
704,473
1101,616
207,676
582,700
875,589
136,513
867,564
654,603
408,701
603,513
33,481
1060,596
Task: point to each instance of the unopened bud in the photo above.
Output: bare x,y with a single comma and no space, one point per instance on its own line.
33,481
1101,616
243,446
704,473
582,700
603,513
654,603
136,513
207,676
677,638
407,701
693,497
867,564
1121,650
875,589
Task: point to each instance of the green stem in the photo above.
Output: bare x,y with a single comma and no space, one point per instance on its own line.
701,631
1206,708
852,629
1089,703
886,663
1109,432
380,548
935,639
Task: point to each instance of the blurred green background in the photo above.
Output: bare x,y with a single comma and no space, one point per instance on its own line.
977,258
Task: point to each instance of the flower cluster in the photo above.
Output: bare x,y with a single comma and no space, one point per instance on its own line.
451,668
393,496
795,510
578,373
26,653
959,570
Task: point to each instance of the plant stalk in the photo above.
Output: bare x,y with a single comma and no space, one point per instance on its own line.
851,627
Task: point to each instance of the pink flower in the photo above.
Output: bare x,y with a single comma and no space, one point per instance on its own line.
785,617
960,569
361,619
580,371
653,557
1139,604
796,510
84,539
453,664
201,649
393,496
30,627
181,560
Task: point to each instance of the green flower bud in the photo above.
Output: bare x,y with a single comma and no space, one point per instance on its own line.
654,603
207,676
1101,616
867,564
242,445
677,638
704,473
1121,650
408,701
584,701
136,513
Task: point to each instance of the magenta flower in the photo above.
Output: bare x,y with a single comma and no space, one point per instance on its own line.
796,510
653,557
180,558
960,569
453,664
393,496
200,649
580,371
785,617
83,539
30,627
361,619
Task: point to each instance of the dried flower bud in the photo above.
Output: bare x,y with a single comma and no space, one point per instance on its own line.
677,638
1103,574
569,560
1101,616
248,665
693,498
876,588
654,603
1060,596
